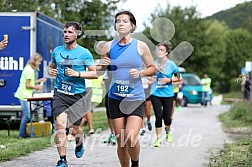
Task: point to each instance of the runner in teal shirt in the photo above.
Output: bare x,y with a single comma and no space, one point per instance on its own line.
162,92
68,66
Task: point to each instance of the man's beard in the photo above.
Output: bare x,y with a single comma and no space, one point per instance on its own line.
70,42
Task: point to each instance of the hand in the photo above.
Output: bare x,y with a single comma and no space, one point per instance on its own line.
3,44
70,72
134,73
104,62
39,87
151,79
53,72
165,80
42,80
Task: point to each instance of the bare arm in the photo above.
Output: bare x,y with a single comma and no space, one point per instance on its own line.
105,60
30,86
40,80
144,50
90,74
176,80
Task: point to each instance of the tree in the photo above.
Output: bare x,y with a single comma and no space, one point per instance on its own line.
188,27
217,48
96,15
238,50
248,24
92,14
52,8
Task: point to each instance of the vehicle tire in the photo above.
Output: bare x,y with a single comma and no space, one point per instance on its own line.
184,102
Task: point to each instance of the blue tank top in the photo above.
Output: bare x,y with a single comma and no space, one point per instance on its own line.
123,86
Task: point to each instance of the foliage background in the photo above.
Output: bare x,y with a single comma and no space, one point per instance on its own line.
222,42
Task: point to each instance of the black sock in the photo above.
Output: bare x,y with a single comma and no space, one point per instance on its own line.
63,157
134,163
167,131
78,146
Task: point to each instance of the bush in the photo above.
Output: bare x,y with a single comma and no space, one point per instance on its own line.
239,116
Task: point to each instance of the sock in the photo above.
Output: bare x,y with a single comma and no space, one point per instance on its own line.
63,157
167,131
134,163
67,131
79,146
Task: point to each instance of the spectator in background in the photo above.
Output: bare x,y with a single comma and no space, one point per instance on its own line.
206,86
3,43
95,92
246,89
147,87
107,80
89,107
178,94
97,85
25,89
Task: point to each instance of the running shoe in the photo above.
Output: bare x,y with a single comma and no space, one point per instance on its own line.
90,132
149,125
157,143
108,139
79,151
142,132
169,137
62,163
113,139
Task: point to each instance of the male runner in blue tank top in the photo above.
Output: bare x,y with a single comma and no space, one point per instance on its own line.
126,94
68,65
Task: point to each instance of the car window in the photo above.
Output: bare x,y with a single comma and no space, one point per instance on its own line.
191,80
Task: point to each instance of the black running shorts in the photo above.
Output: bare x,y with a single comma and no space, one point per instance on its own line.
73,105
120,108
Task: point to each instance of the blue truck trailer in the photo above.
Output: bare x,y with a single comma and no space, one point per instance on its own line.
28,32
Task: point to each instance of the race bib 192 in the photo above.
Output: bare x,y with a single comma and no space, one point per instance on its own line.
122,88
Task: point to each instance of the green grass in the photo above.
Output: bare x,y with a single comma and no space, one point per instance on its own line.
238,154
15,147
240,115
99,121
235,94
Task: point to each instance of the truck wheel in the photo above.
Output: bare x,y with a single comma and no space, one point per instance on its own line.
184,102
